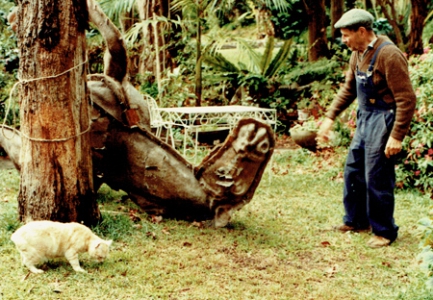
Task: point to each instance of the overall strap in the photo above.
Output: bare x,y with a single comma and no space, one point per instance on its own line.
373,60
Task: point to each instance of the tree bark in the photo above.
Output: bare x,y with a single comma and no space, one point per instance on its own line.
391,16
337,8
56,166
418,15
317,40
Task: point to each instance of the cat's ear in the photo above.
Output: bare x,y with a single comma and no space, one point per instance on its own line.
109,242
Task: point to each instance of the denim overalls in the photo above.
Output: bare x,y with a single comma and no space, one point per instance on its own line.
368,175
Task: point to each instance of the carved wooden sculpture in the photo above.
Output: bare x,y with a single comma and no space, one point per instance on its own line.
127,156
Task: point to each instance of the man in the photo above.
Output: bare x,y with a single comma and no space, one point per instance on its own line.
379,78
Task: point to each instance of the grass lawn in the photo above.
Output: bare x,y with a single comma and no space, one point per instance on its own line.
279,246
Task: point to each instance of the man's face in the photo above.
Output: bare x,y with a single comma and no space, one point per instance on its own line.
355,40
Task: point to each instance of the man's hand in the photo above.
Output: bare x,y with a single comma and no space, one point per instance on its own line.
393,147
323,134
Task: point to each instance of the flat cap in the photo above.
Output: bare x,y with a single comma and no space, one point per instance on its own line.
354,17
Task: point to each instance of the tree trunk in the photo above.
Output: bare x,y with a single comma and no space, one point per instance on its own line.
56,166
337,8
156,56
317,40
392,17
417,18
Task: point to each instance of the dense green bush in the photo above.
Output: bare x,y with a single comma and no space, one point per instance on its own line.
415,165
317,81
287,23
323,70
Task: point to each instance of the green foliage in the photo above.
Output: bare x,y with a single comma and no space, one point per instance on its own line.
344,129
313,85
323,70
289,23
416,162
148,87
116,9
254,72
382,27
8,64
277,100
107,195
427,32
95,51
8,51
254,82
176,90
416,166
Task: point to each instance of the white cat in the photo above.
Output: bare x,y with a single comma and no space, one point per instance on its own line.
38,241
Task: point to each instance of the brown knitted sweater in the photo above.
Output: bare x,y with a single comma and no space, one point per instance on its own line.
390,77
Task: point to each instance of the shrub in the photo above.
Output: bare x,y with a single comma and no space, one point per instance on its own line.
287,23
415,165
323,70
315,82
